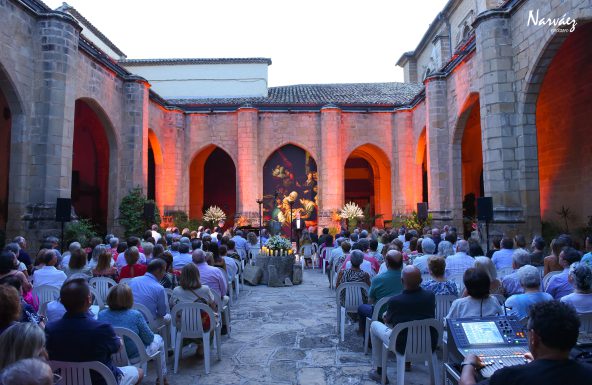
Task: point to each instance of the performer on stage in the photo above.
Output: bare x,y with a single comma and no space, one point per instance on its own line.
298,225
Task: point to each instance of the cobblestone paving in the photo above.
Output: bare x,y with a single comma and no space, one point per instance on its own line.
284,336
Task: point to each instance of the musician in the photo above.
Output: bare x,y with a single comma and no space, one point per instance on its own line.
298,225
553,329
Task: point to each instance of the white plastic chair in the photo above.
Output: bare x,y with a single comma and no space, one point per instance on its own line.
102,285
46,293
547,278
334,272
306,251
585,322
443,303
253,254
460,284
418,348
78,373
541,270
157,326
97,300
377,306
121,358
190,326
223,310
323,254
353,299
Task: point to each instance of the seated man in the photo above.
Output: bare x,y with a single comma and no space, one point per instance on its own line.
559,285
48,274
511,282
79,338
457,264
414,303
211,276
383,285
149,292
503,257
530,280
183,257
553,329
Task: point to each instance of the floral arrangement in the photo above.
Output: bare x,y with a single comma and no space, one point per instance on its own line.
351,211
214,214
277,245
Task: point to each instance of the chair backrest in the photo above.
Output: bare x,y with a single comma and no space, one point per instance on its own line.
218,300
419,339
353,295
547,277
306,250
315,248
78,373
167,299
121,358
102,286
326,251
97,300
585,322
189,316
377,306
253,253
148,316
46,293
460,284
443,303
501,273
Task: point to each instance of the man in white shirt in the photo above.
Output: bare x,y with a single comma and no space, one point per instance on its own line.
457,264
155,234
183,258
298,225
48,274
503,257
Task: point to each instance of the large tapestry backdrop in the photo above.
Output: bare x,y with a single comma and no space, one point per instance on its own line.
290,175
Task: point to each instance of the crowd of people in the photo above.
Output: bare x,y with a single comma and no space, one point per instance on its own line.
407,267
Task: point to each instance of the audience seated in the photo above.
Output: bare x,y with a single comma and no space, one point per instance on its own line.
369,264
10,310
421,262
511,282
559,284
478,303
48,274
104,267
211,276
486,265
458,263
79,338
530,280
503,258
131,242
553,329
20,341
120,314
438,283
77,264
445,248
132,268
580,276
537,258
354,274
383,285
8,268
551,262
29,314
413,303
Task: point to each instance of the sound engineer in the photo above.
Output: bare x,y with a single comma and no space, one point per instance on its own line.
553,329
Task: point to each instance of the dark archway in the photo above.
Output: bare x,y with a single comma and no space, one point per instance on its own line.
563,126
422,159
90,165
359,183
212,182
290,175
5,128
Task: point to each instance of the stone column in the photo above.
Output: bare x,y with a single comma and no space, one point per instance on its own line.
331,166
250,184
51,133
438,148
494,60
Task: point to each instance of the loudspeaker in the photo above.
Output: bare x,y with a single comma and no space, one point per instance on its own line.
485,209
422,211
63,209
149,211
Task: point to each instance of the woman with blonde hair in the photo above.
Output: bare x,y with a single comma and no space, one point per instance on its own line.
133,268
20,341
105,267
487,265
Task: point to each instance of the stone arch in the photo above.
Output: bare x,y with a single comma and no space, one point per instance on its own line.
380,166
155,170
13,157
221,182
421,159
94,164
556,159
467,159
273,149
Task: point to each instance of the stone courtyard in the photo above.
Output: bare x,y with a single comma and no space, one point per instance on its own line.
286,335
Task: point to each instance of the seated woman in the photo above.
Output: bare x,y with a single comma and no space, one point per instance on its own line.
190,289
551,261
78,264
120,314
487,265
478,303
519,304
354,274
169,280
580,276
11,307
21,341
8,268
105,267
28,312
133,268
438,283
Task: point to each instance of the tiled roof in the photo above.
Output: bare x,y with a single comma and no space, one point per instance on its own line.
380,94
249,60
67,8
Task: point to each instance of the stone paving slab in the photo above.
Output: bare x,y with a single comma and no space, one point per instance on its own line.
286,336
